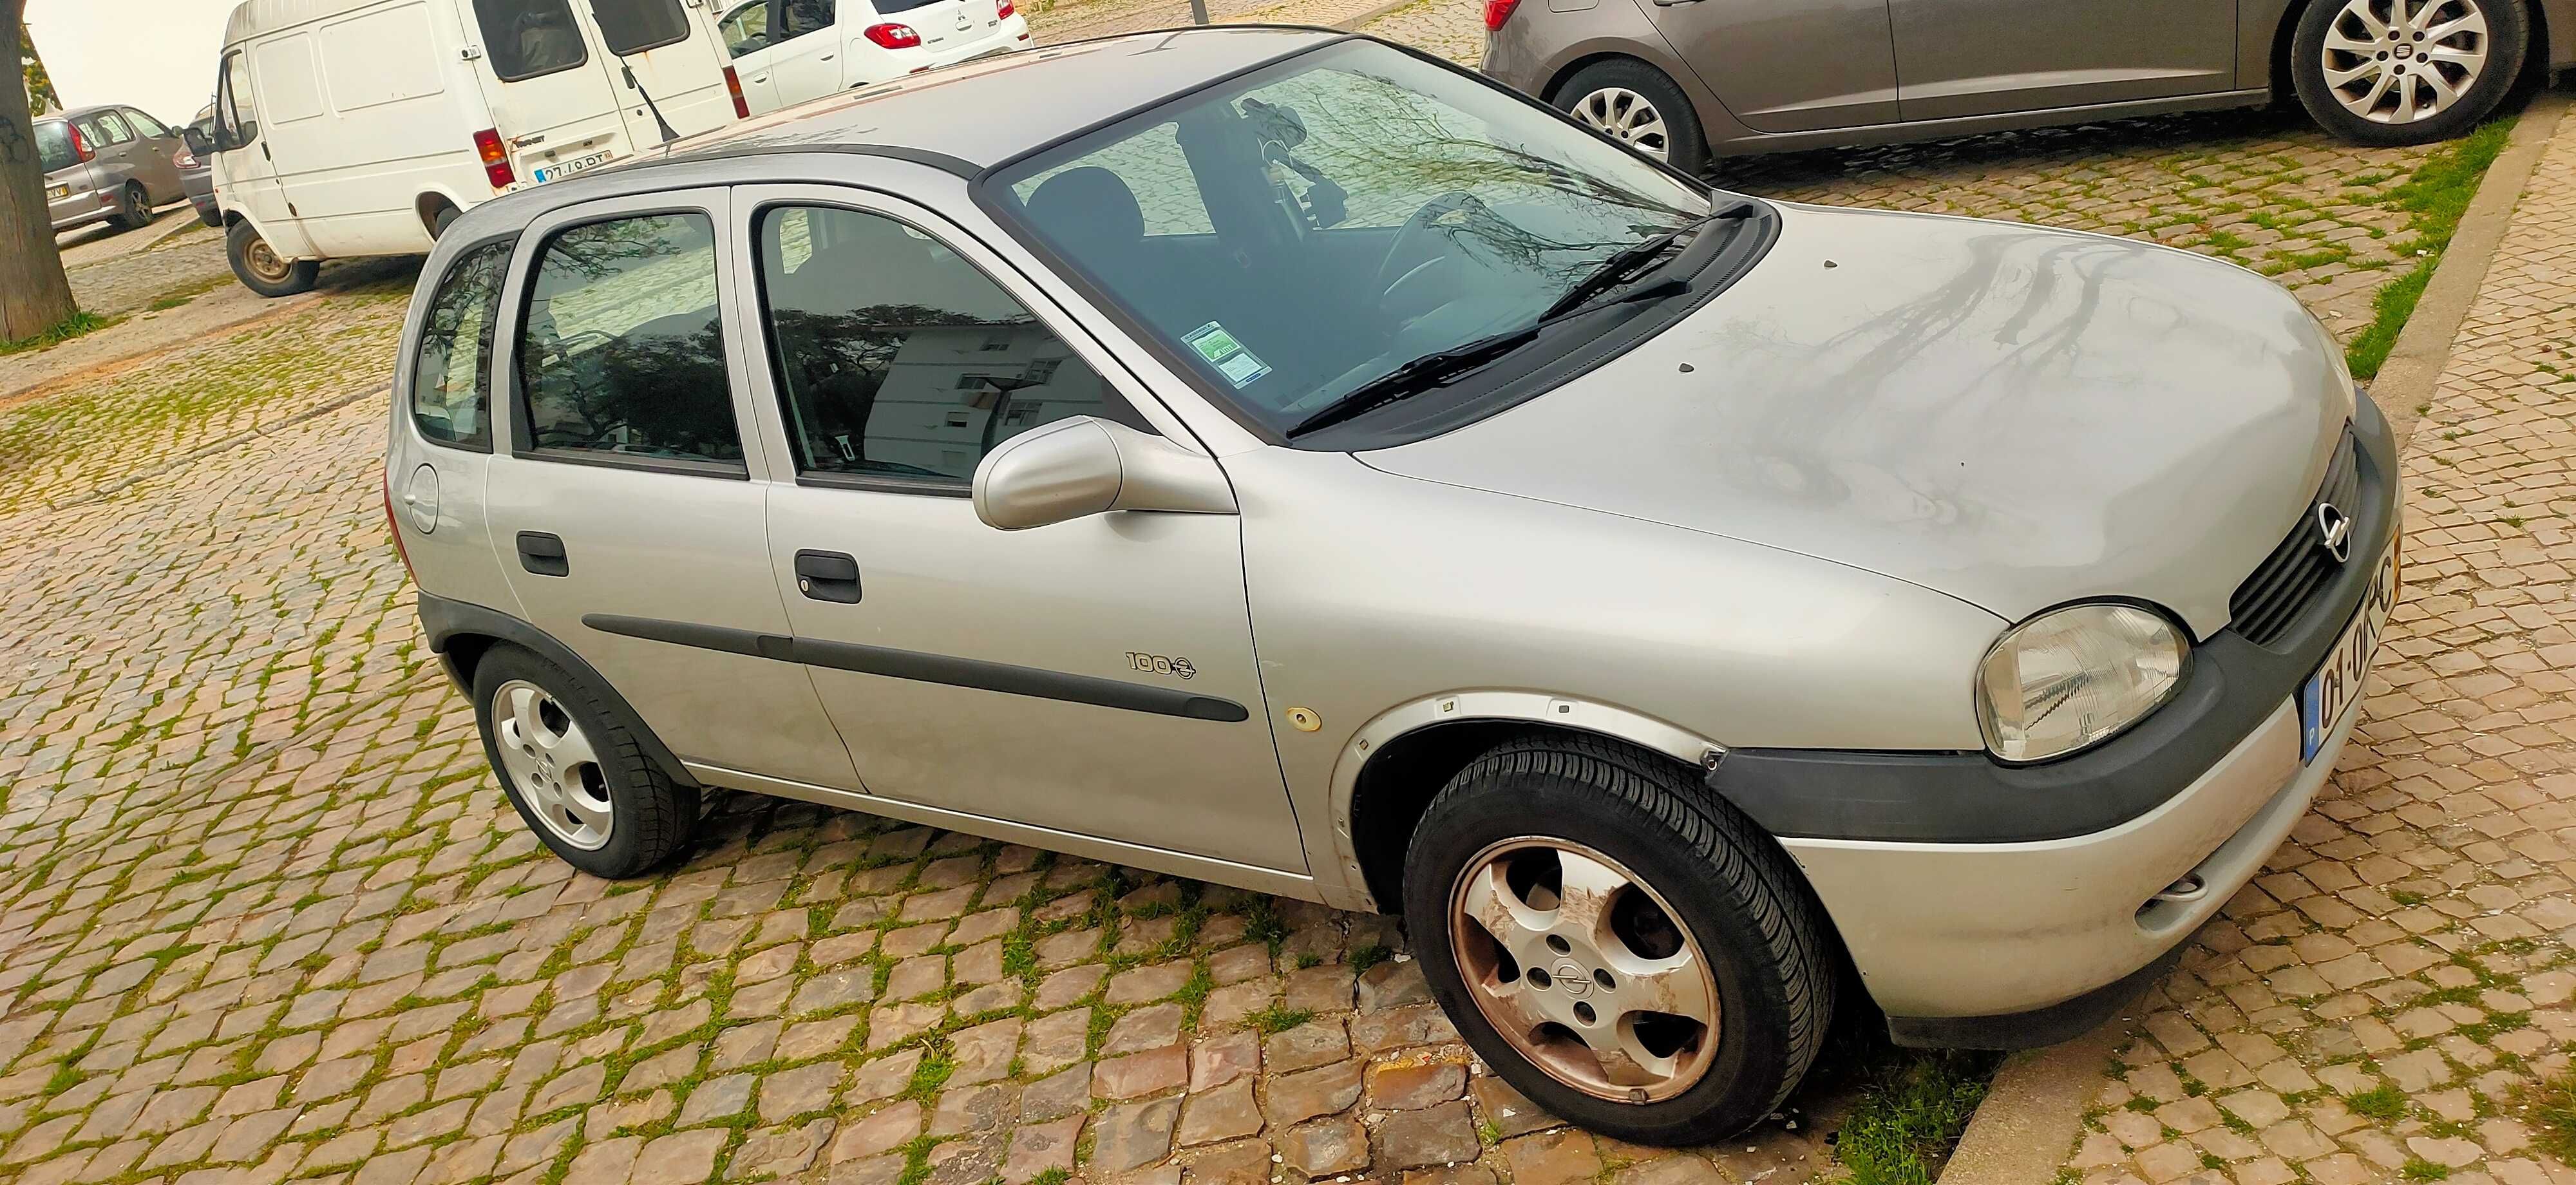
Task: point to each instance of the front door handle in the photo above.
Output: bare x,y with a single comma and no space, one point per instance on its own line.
543,554
827,576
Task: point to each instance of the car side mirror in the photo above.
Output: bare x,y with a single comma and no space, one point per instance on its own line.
198,145
1078,467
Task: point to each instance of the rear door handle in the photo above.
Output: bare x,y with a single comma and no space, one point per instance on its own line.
827,576
543,554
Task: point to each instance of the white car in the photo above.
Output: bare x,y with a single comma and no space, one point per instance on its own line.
788,51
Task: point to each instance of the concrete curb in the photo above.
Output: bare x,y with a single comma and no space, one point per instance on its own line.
2405,381
2034,1111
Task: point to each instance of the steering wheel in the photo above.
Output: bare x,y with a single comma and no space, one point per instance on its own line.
1412,254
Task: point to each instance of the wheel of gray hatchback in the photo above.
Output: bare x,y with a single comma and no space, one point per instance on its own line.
1636,105
133,208
2390,72
577,777
1630,954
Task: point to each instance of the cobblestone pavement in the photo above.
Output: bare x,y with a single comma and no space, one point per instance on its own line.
264,916
2368,1007
188,262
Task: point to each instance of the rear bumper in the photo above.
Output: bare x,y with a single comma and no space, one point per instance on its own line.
81,208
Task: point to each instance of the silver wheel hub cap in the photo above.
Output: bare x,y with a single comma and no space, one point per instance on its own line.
1584,969
552,765
2402,61
1626,116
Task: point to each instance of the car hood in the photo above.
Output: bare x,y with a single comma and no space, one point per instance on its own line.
2014,416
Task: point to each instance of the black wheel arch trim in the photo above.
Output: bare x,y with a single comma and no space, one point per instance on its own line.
2229,688
446,620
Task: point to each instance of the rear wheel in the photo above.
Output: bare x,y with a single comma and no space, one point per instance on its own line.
1636,105
1632,955
578,779
2391,72
133,208
261,269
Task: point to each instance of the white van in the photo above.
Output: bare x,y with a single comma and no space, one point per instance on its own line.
788,51
362,127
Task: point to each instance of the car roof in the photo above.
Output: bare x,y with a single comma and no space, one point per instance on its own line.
974,115
92,109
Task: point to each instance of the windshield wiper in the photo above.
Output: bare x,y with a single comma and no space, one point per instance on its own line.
1631,260
1435,370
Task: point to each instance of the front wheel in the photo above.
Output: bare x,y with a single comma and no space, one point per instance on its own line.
261,269
1636,105
2395,72
1633,956
578,778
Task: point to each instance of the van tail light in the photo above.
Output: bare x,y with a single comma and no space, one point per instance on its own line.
892,36
80,145
1004,10
394,529
496,159
733,86
1498,11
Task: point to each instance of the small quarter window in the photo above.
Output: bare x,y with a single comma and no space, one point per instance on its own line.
897,359
633,26
622,354
451,377
529,38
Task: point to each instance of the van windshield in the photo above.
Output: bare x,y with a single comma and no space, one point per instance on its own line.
633,26
527,38
54,145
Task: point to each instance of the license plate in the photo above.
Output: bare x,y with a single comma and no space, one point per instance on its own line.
570,167
59,191
2338,683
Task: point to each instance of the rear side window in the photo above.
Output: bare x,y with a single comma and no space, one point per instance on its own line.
633,26
527,38
796,18
451,378
622,354
54,145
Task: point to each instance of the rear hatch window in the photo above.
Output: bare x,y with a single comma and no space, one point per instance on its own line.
54,145
633,26
890,7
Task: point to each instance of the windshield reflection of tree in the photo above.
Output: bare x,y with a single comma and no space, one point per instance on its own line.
1394,148
624,351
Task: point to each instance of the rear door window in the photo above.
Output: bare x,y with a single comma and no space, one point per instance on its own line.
54,145
145,124
633,26
451,378
621,355
528,38
796,18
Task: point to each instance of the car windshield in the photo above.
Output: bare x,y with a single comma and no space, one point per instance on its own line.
54,145
1296,234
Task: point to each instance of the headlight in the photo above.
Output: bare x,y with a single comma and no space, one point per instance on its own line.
2066,680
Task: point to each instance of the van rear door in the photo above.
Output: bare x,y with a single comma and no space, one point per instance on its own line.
677,60
553,89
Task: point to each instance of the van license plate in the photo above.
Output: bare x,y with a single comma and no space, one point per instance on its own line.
2338,683
570,167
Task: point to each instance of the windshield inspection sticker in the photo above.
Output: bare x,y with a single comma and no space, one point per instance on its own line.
1226,354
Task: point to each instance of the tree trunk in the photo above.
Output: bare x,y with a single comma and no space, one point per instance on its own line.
34,295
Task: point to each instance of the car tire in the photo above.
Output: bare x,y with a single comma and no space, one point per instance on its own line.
446,217
259,268
133,208
211,216
2362,111
1635,104
579,779
1688,876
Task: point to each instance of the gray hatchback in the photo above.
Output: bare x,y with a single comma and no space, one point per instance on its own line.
1681,80
107,163
1282,459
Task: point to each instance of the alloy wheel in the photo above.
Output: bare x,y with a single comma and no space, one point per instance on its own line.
2401,61
552,764
1584,969
1625,116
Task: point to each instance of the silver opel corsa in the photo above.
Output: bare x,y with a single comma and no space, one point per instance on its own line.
1275,457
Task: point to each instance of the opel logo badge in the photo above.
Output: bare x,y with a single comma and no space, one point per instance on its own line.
2334,531
1576,983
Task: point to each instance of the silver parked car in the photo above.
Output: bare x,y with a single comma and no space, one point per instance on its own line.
1296,463
1684,79
111,163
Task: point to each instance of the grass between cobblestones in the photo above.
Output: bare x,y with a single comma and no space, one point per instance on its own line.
2437,196
81,322
1912,1116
